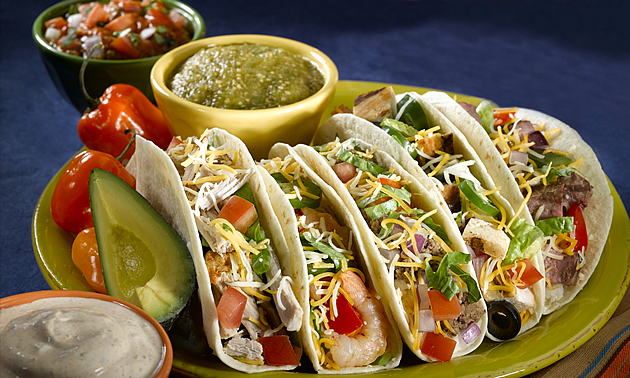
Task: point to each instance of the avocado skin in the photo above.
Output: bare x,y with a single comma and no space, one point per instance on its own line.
145,261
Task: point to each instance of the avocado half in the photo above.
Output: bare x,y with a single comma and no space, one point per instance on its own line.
145,261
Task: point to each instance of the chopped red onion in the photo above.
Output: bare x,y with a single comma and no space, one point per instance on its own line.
425,321
524,128
471,333
478,259
518,157
540,143
422,291
91,41
419,240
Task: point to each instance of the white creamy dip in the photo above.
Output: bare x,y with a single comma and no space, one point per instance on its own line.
77,337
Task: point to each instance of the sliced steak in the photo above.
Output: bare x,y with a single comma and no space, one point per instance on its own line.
576,190
562,271
550,196
470,109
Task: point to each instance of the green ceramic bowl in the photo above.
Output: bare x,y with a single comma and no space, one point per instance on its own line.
100,73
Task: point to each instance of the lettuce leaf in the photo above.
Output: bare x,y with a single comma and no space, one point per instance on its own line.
526,243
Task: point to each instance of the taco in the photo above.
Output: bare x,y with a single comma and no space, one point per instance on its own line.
346,328
505,248
546,168
208,187
413,246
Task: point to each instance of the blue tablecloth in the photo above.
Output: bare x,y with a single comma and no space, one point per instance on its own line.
570,59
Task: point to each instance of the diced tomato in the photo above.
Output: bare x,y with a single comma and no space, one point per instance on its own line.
177,19
97,14
121,23
174,143
156,17
345,171
57,23
530,275
278,350
503,116
231,307
579,227
130,6
379,201
347,320
389,182
437,346
125,47
442,308
239,212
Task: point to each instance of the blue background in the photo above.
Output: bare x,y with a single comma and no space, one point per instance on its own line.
570,59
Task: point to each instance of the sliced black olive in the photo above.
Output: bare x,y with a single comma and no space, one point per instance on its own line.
504,321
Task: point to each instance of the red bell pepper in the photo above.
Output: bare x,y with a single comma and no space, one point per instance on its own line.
122,107
347,321
278,350
70,204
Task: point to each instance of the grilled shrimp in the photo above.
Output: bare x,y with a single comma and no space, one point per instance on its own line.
371,341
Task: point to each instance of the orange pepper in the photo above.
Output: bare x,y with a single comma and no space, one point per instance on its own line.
86,258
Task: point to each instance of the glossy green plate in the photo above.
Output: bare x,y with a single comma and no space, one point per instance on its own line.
557,335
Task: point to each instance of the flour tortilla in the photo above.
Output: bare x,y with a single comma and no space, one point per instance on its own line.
346,126
158,181
598,214
421,199
286,215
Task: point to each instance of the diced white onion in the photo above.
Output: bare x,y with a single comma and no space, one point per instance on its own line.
74,20
52,34
147,33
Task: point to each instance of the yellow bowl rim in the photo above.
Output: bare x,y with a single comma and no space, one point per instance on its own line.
167,63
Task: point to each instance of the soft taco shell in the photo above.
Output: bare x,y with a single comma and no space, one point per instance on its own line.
346,126
598,214
158,181
421,199
286,215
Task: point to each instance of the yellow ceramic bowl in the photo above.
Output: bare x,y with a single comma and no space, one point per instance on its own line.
260,128
163,370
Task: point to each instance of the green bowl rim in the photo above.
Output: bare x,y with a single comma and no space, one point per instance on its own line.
199,28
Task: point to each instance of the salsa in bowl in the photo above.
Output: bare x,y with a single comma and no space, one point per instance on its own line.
133,35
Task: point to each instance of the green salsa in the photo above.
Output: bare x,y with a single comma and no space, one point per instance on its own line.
246,76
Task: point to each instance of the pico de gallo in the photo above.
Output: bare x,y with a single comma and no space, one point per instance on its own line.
126,29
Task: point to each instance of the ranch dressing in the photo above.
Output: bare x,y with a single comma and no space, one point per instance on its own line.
77,337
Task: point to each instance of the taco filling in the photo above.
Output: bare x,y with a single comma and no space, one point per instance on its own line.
348,323
502,248
257,311
554,191
439,299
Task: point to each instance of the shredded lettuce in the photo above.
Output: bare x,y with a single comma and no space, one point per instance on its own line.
526,243
485,112
335,256
297,203
401,127
443,281
360,163
557,225
260,262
